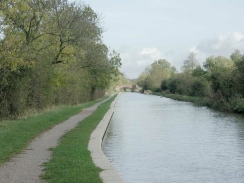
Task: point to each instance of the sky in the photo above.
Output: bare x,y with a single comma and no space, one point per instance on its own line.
143,31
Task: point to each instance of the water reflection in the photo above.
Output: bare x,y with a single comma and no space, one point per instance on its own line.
153,140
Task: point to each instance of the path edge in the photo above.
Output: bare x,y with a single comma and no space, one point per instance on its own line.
108,173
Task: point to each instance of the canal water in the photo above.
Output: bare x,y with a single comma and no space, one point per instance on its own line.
158,140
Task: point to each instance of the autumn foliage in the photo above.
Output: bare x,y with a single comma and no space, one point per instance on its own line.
51,53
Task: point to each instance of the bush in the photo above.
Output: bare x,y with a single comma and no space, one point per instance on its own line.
239,105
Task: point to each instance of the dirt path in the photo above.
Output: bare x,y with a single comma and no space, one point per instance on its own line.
27,166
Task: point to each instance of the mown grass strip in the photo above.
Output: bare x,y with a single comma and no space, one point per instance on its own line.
15,135
199,101
71,160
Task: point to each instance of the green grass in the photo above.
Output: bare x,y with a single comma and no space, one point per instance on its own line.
199,101
15,135
71,160
234,105
196,100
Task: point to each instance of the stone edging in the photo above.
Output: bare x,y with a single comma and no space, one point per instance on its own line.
108,174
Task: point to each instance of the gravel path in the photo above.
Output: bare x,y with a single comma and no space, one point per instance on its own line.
27,166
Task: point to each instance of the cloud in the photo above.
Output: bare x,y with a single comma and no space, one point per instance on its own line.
134,62
152,53
194,49
223,44
148,51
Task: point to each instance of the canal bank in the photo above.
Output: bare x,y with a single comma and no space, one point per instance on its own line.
108,173
65,145
234,106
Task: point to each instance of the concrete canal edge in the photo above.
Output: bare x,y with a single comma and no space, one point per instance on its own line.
108,173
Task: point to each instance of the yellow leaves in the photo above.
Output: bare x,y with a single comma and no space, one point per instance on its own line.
12,55
68,54
80,53
23,5
59,78
72,54
17,6
14,63
65,36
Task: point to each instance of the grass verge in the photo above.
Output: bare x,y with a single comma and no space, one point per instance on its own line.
200,101
15,135
234,105
71,160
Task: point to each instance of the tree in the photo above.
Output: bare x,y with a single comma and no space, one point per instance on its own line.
198,72
153,76
25,16
71,28
141,81
190,63
115,64
218,63
236,56
220,75
51,52
239,74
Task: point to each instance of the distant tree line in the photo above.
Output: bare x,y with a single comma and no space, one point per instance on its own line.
51,53
219,82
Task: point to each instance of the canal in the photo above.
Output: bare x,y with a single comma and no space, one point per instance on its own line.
158,140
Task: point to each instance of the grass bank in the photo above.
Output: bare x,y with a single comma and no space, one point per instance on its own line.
71,160
16,135
234,105
196,100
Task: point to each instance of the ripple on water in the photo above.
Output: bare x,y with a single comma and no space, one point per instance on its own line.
152,140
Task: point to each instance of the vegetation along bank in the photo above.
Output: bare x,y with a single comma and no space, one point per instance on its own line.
51,53
218,83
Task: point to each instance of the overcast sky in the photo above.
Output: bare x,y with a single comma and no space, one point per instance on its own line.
146,30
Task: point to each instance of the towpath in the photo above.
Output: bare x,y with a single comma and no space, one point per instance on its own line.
27,166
